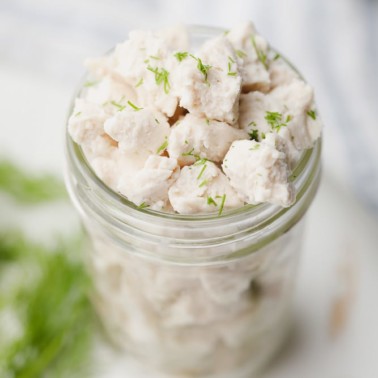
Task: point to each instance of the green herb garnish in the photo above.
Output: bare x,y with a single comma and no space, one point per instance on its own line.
204,182
154,57
222,204
254,135
143,205
210,201
260,54
161,77
275,121
241,54
28,188
181,55
134,106
203,68
255,147
230,63
88,84
163,146
312,114
139,83
277,56
119,106
202,171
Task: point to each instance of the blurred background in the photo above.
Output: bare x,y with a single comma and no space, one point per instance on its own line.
333,43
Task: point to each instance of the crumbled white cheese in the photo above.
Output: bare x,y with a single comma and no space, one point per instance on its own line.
140,132
208,84
154,101
197,136
86,122
251,50
150,185
200,188
259,171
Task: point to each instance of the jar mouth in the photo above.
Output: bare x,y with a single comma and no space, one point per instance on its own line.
123,221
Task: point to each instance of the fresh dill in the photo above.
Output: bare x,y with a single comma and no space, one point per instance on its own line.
161,77
210,201
275,120
203,68
260,54
202,171
139,83
223,200
136,108
181,55
312,114
163,146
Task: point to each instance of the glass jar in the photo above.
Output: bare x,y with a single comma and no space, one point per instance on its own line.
193,296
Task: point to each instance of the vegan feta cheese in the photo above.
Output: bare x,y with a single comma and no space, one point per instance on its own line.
179,128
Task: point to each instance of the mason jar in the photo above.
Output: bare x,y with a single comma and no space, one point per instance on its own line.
193,295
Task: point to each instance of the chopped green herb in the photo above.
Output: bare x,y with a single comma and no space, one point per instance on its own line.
202,171
157,121
255,147
143,205
203,68
163,146
90,83
118,105
77,114
181,55
161,77
222,204
241,54
289,118
230,63
139,83
263,135
275,121
191,153
253,123
260,54
208,121
186,142
312,114
201,161
134,106
204,182
277,56
154,57
27,188
254,135
226,32
210,201
146,61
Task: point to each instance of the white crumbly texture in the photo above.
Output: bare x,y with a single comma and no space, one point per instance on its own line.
196,135
196,184
139,132
216,94
156,104
259,171
250,48
150,185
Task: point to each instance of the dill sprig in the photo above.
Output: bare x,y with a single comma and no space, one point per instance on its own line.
161,77
203,68
210,201
28,188
163,146
312,114
260,54
276,121
51,305
223,200
139,83
181,55
136,108
231,61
